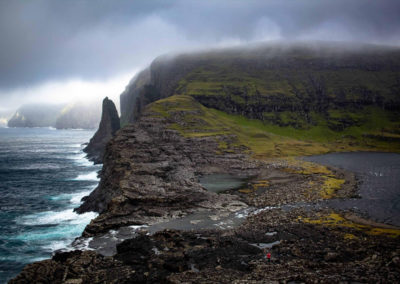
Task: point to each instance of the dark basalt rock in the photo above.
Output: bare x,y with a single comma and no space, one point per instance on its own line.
150,174
307,253
109,124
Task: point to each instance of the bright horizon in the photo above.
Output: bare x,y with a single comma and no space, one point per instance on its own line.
59,52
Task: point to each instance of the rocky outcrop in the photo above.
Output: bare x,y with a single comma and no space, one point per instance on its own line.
108,126
150,173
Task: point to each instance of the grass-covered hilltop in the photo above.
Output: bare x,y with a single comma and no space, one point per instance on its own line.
278,99
243,116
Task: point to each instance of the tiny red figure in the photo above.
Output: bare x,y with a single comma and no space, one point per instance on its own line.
269,257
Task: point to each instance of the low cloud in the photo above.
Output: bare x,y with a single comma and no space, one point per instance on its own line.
47,41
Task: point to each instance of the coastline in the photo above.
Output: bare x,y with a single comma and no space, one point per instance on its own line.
140,164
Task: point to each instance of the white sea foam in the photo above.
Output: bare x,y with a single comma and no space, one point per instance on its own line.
74,198
137,227
77,156
77,197
80,158
75,145
57,245
255,212
89,176
56,218
80,243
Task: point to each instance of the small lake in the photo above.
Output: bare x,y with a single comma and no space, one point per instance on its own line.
379,176
221,182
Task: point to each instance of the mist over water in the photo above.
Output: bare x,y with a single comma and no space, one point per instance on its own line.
43,177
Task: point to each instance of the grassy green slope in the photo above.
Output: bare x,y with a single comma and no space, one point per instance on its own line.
263,139
285,100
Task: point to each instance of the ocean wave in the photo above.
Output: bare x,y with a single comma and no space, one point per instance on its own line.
80,158
74,198
56,218
66,245
74,146
89,176
38,166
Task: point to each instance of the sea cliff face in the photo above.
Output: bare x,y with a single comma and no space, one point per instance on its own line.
109,125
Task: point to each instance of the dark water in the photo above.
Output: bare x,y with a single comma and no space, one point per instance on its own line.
379,174
43,176
222,182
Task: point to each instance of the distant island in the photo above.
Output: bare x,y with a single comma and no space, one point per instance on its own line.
61,116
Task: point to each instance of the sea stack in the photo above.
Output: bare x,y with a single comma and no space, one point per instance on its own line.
109,124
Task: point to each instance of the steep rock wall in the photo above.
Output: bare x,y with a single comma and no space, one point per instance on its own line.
109,124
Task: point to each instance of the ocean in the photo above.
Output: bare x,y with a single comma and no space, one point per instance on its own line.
43,176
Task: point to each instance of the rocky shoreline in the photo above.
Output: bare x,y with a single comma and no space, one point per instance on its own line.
151,175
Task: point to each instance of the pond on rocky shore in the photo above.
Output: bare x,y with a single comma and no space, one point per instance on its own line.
379,188
222,182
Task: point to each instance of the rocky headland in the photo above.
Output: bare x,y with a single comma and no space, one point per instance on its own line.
171,138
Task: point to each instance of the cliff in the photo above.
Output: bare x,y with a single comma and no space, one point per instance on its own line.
109,124
319,90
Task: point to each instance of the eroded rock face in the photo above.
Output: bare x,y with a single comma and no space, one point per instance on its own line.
109,125
150,174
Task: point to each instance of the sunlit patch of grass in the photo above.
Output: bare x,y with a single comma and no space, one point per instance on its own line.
337,220
350,237
330,186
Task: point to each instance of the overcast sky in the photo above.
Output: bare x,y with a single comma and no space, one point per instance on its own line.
64,50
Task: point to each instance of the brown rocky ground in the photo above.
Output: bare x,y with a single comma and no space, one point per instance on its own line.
150,174
306,252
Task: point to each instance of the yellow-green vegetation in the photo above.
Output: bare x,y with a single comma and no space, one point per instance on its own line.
330,186
350,237
254,186
298,95
216,76
192,119
195,120
260,183
306,168
337,220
